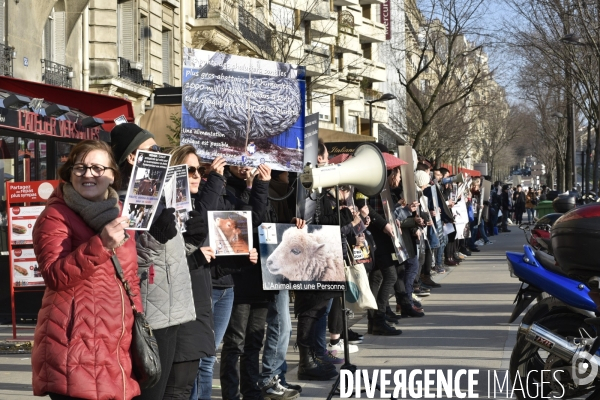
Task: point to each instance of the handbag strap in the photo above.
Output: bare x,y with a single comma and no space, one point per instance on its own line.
121,276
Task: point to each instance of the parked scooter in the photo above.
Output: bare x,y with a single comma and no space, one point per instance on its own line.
556,354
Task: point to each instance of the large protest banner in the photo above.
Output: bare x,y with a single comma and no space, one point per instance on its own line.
247,110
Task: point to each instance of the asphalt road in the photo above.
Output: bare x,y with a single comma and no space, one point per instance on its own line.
465,327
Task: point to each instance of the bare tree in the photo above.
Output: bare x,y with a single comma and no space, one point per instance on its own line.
443,68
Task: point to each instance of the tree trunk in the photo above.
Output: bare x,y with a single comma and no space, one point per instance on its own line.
560,177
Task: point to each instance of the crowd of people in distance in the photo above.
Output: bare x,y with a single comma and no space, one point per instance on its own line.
197,303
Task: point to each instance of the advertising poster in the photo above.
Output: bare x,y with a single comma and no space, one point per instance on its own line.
177,194
230,232
25,270
21,221
247,110
388,209
145,187
301,259
305,205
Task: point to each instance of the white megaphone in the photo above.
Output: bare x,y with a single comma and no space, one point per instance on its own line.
365,171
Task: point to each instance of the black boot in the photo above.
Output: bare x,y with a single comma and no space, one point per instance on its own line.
381,327
311,369
408,310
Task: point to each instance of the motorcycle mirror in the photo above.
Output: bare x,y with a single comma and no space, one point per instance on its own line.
524,227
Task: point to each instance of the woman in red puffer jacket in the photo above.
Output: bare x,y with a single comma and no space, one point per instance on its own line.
83,333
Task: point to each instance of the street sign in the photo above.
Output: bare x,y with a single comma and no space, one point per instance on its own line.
537,167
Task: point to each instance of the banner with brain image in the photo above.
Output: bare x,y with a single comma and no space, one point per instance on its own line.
249,111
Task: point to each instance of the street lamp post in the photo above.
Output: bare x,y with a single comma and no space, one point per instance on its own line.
384,97
573,39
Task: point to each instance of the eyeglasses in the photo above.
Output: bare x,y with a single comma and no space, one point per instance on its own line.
97,169
155,148
193,170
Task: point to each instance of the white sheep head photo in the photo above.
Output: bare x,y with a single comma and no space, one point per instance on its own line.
304,256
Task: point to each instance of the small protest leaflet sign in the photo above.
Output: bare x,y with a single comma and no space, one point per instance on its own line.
177,194
145,188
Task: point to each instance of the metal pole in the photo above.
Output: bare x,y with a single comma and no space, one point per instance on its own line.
573,146
371,118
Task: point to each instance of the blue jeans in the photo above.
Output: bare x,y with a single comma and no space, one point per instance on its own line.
321,331
277,339
411,269
222,303
481,230
530,214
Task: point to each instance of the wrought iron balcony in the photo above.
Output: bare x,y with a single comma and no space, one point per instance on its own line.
201,8
254,31
6,60
132,72
56,74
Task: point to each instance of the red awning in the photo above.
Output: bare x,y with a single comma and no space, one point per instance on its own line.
96,105
454,170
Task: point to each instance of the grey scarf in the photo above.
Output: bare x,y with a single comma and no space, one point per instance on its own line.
95,213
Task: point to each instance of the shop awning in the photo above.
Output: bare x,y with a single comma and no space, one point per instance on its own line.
329,136
454,171
97,105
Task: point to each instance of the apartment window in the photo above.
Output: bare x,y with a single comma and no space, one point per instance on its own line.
321,104
424,85
53,36
425,62
166,56
339,113
352,124
366,48
366,11
126,30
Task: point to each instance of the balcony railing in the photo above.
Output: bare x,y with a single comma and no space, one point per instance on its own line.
127,70
56,74
201,8
254,31
371,94
6,60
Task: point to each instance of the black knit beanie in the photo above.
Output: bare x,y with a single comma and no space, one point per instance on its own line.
126,138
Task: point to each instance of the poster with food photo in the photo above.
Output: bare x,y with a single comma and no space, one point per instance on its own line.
25,270
21,221
230,232
247,110
145,188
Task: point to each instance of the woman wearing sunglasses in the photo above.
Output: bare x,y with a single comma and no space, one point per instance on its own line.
165,285
84,328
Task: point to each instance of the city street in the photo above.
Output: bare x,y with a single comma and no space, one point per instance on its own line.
465,327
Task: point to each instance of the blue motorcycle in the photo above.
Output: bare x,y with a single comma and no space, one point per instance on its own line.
556,354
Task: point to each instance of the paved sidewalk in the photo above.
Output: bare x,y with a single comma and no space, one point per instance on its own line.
465,326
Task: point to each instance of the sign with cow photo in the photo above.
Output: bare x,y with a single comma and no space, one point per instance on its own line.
301,259
230,232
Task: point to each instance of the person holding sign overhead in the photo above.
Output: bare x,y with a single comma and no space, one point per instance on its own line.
84,328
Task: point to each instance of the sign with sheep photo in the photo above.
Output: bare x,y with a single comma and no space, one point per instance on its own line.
228,232
301,259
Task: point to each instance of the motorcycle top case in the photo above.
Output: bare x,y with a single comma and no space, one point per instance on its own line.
563,203
576,240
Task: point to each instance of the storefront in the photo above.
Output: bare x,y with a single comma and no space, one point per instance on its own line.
39,124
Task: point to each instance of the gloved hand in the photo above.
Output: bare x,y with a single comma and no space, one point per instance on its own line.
165,227
196,229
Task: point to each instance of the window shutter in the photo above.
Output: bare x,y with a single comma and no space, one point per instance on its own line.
59,37
2,17
144,29
47,40
126,30
166,56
